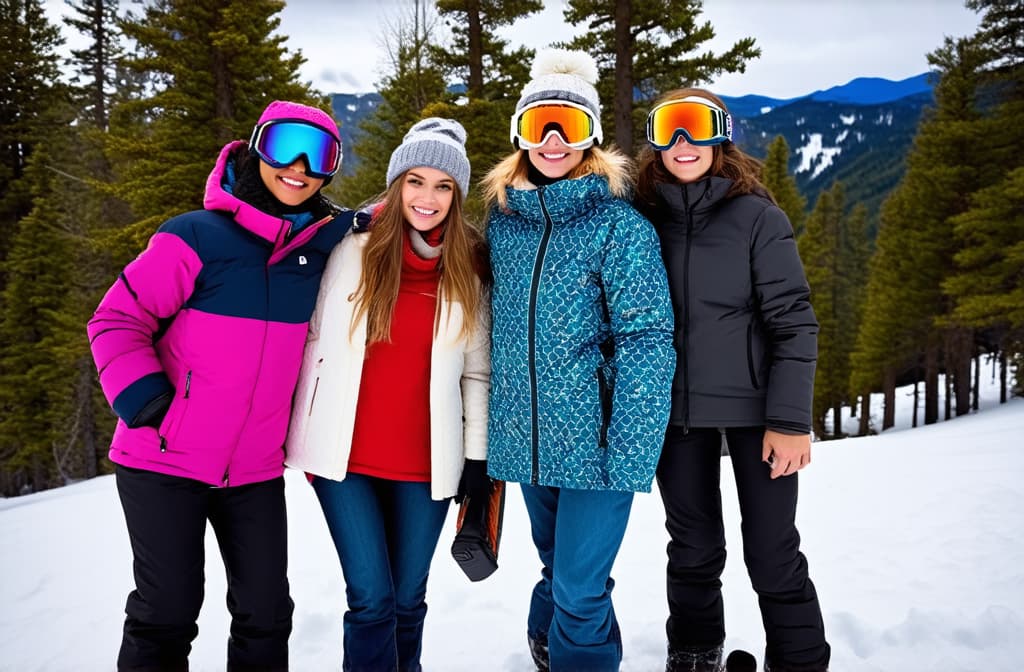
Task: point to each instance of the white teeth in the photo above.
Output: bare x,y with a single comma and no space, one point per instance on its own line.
685,159
554,157
294,183
424,211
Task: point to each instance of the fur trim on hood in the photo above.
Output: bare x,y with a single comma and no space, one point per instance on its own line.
511,172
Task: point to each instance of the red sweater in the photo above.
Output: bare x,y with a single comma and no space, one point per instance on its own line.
391,437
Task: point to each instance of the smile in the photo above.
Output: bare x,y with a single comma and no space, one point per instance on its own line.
424,211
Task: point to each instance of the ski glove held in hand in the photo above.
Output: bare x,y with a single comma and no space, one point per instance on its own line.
475,483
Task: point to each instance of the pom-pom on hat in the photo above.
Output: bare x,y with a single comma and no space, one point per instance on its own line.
562,74
283,109
436,143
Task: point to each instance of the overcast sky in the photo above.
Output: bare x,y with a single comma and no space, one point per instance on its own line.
806,45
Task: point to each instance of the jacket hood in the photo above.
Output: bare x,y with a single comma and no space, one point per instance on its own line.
219,197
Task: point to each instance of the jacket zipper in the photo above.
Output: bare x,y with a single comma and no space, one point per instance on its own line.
686,309
531,331
188,386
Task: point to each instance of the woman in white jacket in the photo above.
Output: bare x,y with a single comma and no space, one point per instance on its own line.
390,413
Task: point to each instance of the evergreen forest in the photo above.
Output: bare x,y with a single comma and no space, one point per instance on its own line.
102,146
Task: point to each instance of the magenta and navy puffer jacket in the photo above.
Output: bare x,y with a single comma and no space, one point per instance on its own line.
216,310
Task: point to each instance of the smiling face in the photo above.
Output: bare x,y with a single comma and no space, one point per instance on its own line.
686,162
554,159
290,184
427,195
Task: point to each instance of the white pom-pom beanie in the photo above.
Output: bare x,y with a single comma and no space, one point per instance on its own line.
561,74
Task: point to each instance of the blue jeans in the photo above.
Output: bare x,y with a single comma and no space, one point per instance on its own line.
577,534
385,533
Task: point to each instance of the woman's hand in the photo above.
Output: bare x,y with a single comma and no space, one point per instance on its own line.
786,453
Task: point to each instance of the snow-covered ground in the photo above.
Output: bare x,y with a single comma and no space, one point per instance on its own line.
913,538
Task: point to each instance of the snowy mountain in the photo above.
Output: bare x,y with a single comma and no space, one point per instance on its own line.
912,537
858,133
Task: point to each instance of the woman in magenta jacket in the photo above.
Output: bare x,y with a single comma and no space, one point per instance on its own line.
198,345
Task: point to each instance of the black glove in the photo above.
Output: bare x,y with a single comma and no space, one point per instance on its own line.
475,483
152,414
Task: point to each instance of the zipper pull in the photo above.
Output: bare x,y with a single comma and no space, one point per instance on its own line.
163,445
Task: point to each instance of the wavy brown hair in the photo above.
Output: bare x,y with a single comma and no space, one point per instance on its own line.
728,161
463,266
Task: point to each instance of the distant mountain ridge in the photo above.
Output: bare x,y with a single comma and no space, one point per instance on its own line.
859,91
859,132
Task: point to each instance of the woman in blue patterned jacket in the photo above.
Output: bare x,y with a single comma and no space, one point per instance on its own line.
582,356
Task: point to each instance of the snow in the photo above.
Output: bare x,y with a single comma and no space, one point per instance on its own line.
913,538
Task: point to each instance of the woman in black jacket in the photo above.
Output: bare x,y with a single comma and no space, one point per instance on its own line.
746,344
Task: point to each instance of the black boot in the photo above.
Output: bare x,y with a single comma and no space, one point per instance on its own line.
539,651
691,660
741,661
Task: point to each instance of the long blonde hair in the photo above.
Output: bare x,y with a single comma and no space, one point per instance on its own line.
463,266
513,169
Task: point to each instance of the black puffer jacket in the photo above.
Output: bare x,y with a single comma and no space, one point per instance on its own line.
746,335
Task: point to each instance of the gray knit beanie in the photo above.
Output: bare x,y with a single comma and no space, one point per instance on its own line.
563,74
436,143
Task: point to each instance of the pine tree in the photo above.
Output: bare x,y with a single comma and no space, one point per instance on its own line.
780,182
644,49
414,82
96,64
476,55
832,250
987,281
214,64
30,89
40,269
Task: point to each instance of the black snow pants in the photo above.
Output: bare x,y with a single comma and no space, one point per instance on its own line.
688,478
166,518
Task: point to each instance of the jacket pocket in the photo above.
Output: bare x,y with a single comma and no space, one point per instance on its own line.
605,391
751,367
171,426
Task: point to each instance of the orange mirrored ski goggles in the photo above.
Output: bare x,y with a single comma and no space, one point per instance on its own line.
576,125
698,120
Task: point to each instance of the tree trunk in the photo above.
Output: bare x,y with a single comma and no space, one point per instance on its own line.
1002,376
963,340
889,399
865,414
476,51
837,420
87,427
948,393
623,106
976,384
931,384
917,396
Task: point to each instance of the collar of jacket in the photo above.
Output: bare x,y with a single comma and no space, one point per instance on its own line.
684,200
564,200
268,227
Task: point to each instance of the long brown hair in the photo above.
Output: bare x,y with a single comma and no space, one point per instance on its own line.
462,264
728,160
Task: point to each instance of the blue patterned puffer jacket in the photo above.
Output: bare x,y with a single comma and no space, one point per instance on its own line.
582,355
